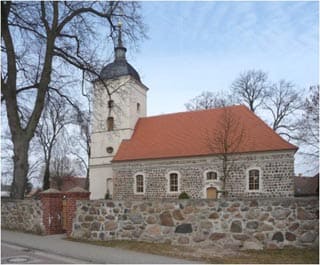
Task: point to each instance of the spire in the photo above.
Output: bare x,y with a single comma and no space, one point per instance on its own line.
120,51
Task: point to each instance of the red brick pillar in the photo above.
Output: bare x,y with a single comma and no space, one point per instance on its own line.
52,209
71,198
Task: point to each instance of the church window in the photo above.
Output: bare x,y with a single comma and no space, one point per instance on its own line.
138,107
173,182
139,183
211,175
110,123
254,179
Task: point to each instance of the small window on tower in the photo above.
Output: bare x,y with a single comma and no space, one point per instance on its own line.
138,107
110,123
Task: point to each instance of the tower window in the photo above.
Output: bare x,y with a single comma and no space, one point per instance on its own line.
110,123
138,107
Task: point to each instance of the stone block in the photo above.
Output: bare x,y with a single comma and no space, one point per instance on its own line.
290,236
281,214
166,219
177,215
184,228
214,215
252,225
278,236
136,218
217,236
236,227
183,240
308,237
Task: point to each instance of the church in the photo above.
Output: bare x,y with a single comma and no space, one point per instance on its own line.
205,154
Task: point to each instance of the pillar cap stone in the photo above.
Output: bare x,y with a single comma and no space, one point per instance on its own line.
51,190
78,189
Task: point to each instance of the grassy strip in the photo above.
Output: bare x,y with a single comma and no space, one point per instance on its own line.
269,256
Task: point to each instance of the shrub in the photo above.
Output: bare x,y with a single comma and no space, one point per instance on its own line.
183,195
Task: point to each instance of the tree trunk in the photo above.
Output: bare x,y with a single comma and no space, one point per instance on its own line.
46,178
21,167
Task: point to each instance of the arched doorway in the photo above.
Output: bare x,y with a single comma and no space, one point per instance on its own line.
211,193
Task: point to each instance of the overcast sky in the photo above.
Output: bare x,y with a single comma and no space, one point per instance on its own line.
198,46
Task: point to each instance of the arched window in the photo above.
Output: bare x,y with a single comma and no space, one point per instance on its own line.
173,182
254,179
110,123
139,186
211,175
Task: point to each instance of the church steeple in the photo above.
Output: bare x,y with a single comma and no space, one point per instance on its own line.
119,67
120,50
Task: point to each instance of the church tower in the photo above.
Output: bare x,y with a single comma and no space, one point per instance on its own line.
120,99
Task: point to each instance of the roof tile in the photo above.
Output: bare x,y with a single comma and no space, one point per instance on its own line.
195,133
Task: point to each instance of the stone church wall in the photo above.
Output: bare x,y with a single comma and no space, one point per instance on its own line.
230,223
277,171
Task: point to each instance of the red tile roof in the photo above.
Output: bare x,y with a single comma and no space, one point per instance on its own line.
188,134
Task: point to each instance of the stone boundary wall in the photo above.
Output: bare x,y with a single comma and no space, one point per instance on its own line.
23,215
237,224
52,214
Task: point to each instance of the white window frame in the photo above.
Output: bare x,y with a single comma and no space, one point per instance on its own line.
168,182
260,179
135,183
211,170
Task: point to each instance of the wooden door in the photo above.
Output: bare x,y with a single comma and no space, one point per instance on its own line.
211,193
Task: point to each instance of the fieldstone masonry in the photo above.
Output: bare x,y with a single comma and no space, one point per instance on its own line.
237,224
23,215
277,171
53,214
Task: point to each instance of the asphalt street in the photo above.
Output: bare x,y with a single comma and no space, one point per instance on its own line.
29,248
12,254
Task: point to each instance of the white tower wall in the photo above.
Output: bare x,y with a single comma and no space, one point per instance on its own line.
129,104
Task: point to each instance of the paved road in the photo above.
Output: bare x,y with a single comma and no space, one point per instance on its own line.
12,254
78,252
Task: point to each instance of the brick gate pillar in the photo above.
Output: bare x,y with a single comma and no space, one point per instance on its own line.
52,207
71,198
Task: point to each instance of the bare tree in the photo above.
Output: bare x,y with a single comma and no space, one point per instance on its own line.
226,140
54,119
307,132
208,100
283,103
42,43
251,88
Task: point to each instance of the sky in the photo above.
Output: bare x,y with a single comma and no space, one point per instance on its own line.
204,46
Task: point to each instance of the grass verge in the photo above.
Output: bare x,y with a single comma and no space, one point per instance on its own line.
287,255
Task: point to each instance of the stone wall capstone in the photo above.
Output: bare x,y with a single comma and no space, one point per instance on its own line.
231,223
23,215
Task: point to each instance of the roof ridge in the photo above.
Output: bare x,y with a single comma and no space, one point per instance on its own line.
193,111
